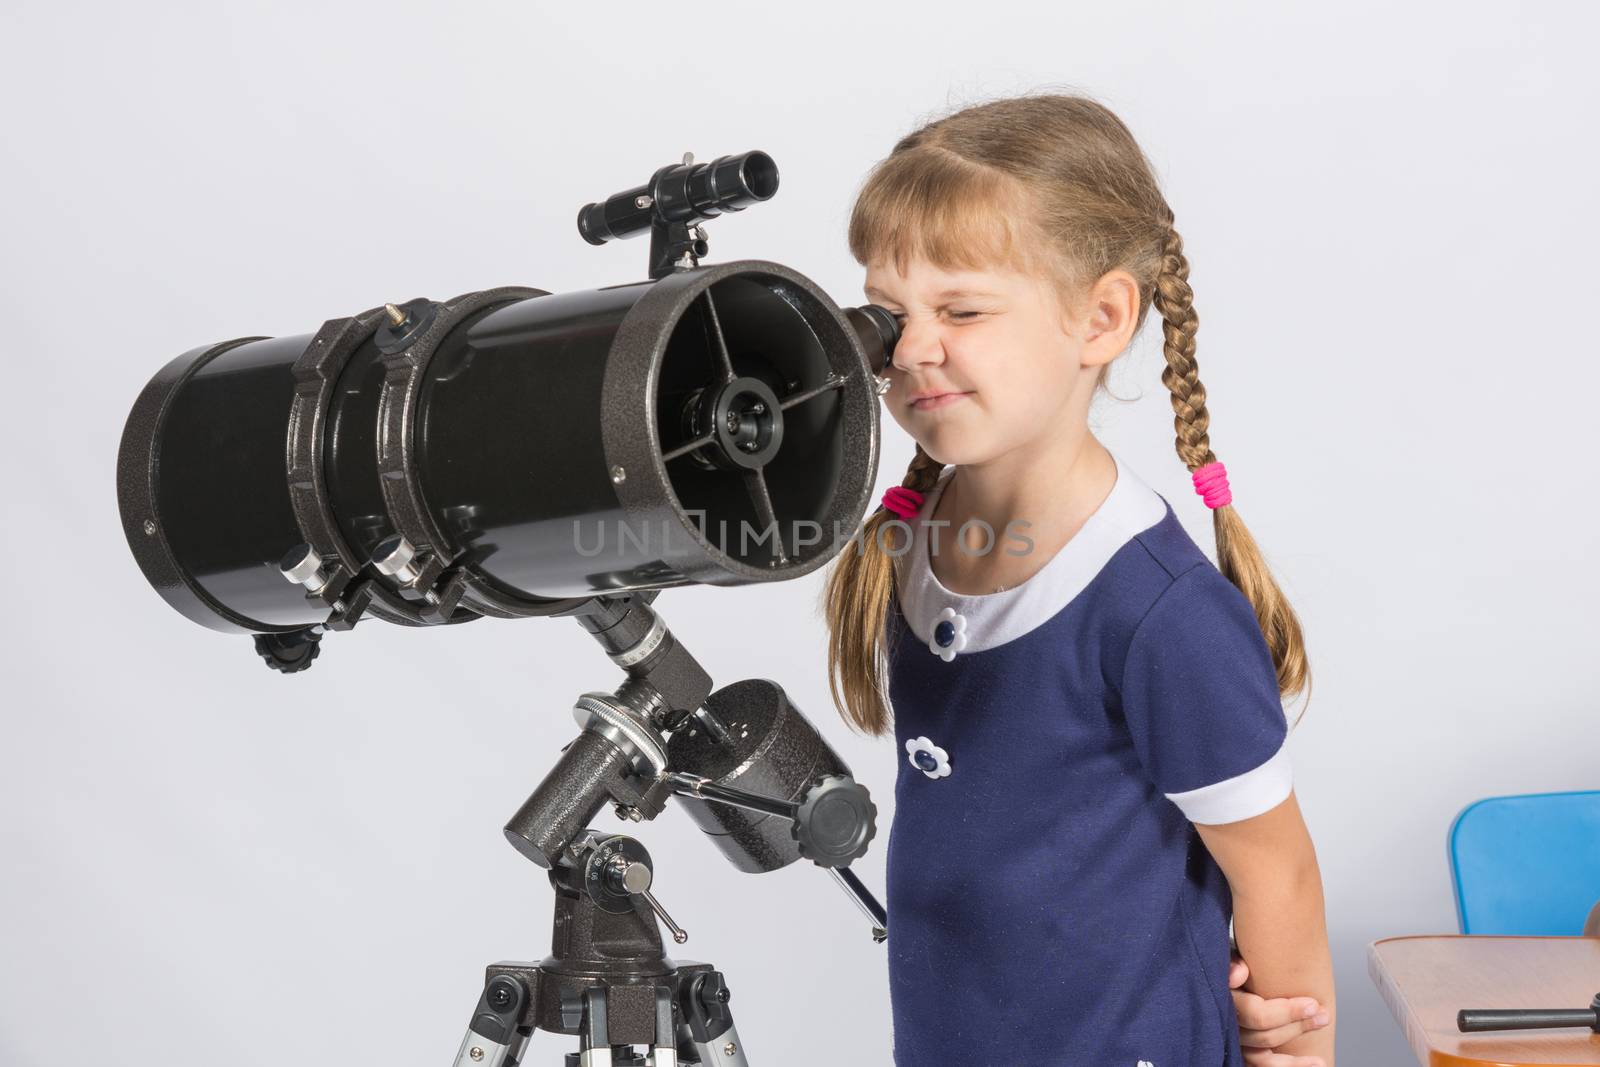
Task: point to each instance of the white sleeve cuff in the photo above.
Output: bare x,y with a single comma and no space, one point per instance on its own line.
1240,797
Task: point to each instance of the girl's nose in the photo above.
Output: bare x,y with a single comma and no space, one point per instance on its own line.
920,345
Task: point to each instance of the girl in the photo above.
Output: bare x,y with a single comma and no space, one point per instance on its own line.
1093,773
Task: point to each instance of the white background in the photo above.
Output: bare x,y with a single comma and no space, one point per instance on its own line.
1389,210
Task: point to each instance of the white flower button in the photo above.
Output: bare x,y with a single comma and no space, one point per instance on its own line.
949,634
928,757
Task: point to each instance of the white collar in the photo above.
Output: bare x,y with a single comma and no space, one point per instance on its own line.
991,619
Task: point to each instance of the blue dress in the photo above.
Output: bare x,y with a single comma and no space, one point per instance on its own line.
1049,899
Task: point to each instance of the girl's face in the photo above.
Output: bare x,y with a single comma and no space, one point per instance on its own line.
987,360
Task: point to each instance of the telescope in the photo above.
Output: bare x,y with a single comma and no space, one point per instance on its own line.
516,453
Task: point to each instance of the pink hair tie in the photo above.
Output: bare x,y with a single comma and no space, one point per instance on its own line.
903,502
1211,482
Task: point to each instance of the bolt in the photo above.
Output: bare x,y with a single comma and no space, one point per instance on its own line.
729,1049
642,201
476,1053
303,566
618,475
393,557
396,316
723,994
150,527
500,996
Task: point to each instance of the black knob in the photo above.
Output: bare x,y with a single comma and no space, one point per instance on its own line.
289,652
835,821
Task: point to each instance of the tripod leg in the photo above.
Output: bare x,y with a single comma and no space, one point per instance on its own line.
594,1042
665,1053
709,1024
494,1037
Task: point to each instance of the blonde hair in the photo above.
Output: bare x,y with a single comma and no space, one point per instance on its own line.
1054,185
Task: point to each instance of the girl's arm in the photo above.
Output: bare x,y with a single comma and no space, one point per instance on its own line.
1278,917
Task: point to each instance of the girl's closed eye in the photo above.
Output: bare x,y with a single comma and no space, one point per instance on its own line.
900,316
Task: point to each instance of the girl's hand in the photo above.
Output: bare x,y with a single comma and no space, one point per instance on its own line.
1266,1024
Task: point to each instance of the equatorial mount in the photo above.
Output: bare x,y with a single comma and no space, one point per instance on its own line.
751,770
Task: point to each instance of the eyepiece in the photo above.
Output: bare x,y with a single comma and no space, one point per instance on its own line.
733,183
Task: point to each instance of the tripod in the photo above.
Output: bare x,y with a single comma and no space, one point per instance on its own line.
607,978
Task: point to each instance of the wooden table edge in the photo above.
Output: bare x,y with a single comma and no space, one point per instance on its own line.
1412,1027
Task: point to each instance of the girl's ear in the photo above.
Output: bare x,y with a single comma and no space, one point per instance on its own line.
1108,317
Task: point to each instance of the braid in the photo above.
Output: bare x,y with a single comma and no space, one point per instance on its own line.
1175,300
859,593
922,473
1238,557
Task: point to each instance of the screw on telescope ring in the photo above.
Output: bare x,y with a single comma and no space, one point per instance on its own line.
835,822
316,377
415,316
404,374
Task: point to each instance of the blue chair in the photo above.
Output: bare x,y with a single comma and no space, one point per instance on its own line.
1526,865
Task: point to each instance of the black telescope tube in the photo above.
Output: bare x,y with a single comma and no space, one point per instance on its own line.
682,193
